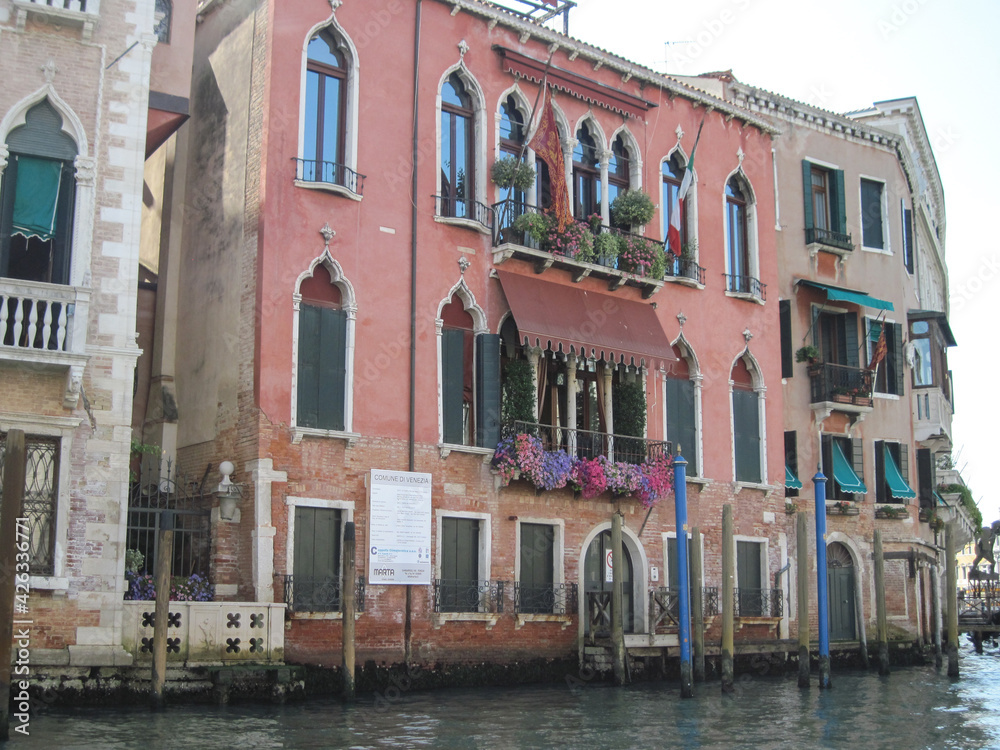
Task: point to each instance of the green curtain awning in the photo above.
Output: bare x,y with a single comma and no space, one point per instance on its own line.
791,481
940,500
898,487
844,474
839,294
36,197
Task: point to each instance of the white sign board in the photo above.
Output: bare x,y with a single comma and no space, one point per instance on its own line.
609,569
399,527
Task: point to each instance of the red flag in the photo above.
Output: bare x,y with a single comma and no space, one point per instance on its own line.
547,146
880,350
674,230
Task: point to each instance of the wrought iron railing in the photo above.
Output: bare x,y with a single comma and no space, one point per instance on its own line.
758,602
330,173
829,237
553,599
664,605
320,594
850,385
685,268
598,614
39,502
742,284
455,207
588,444
462,595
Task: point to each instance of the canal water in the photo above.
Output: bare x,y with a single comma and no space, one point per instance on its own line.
915,707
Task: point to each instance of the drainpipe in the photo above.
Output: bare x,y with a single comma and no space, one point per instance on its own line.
408,626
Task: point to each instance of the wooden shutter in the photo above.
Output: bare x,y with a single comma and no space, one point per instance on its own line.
453,375
7,213
785,326
792,459
807,193
896,358
537,561
488,390
333,370
460,549
316,557
850,340
748,573
838,212
681,421
908,239
925,476
746,435
673,567
309,366
858,457
904,461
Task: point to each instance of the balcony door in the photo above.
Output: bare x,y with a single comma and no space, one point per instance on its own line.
838,338
596,578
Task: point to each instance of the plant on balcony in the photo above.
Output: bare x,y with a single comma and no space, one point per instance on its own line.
842,506
133,561
641,256
632,207
607,246
968,502
575,241
517,402
628,400
595,222
657,478
193,588
889,511
535,225
790,507
624,479
588,478
509,171
807,353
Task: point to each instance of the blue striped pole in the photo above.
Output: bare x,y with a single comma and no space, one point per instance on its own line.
684,595
822,605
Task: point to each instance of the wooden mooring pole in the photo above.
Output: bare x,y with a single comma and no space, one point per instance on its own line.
697,607
936,607
882,625
164,558
728,599
350,573
802,569
951,592
618,654
13,496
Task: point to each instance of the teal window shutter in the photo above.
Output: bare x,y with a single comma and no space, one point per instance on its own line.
537,568
322,368
807,193
36,197
838,211
681,421
488,390
453,375
309,366
851,340
895,346
746,431
316,564
858,458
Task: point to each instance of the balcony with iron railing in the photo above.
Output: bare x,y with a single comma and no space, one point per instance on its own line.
745,286
46,325
841,387
552,599
827,239
459,210
320,594
329,175
82,14
589,444
615,255
466,596
749,602
664,606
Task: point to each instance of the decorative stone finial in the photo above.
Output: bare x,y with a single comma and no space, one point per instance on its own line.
747,335
49,70
334,4
680,133
682,318
327,232
463,263
463,47
740,155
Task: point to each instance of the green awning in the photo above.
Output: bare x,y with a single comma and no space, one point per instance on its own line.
844,474
36,197
940,500
839,294
898,487
791,481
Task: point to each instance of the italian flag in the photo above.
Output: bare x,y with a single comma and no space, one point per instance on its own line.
676,211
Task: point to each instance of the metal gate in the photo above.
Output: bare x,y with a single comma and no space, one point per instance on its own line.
149,499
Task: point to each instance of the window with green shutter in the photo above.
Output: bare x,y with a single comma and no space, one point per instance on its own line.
458,588
749,579
682,421
746,435
823,200
872,227
536,593
316,562
322,367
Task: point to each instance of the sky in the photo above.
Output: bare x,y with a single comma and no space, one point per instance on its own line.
844,56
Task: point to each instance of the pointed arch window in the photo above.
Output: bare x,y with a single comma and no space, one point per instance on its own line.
457,150
323,153
512,134
682,402
741,261
619,170
747,433
586,175
673,173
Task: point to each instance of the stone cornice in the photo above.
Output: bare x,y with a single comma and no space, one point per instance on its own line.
603,59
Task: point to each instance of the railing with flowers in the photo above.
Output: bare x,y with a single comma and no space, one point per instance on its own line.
758,602
462,595
840,383
554,599
308,594
330,173
587,462
589,241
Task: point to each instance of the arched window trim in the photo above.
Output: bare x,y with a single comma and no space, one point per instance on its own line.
752,249
524,107
635,154
760,389
602,154
350,117
348,303
690,217
479,147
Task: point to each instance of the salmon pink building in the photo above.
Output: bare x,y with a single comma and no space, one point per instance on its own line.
387,305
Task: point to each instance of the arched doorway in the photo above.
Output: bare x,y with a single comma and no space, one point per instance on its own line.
840,583
595,578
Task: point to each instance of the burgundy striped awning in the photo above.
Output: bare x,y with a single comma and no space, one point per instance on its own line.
571,319
573,84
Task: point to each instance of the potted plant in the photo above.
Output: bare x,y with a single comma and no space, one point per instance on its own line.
517,402
534,225
790,507
808,353
507,171
631,208
607,246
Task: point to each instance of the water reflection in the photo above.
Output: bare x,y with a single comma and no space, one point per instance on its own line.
912,708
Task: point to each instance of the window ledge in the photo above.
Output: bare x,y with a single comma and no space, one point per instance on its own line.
683,281
448,448
328,187
467,223
816,247
440,618
521,620
886,396
85,19
48,583
320,615
745,295
740,486
758,620
879,250
301,432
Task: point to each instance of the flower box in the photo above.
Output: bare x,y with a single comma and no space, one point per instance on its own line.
843,509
